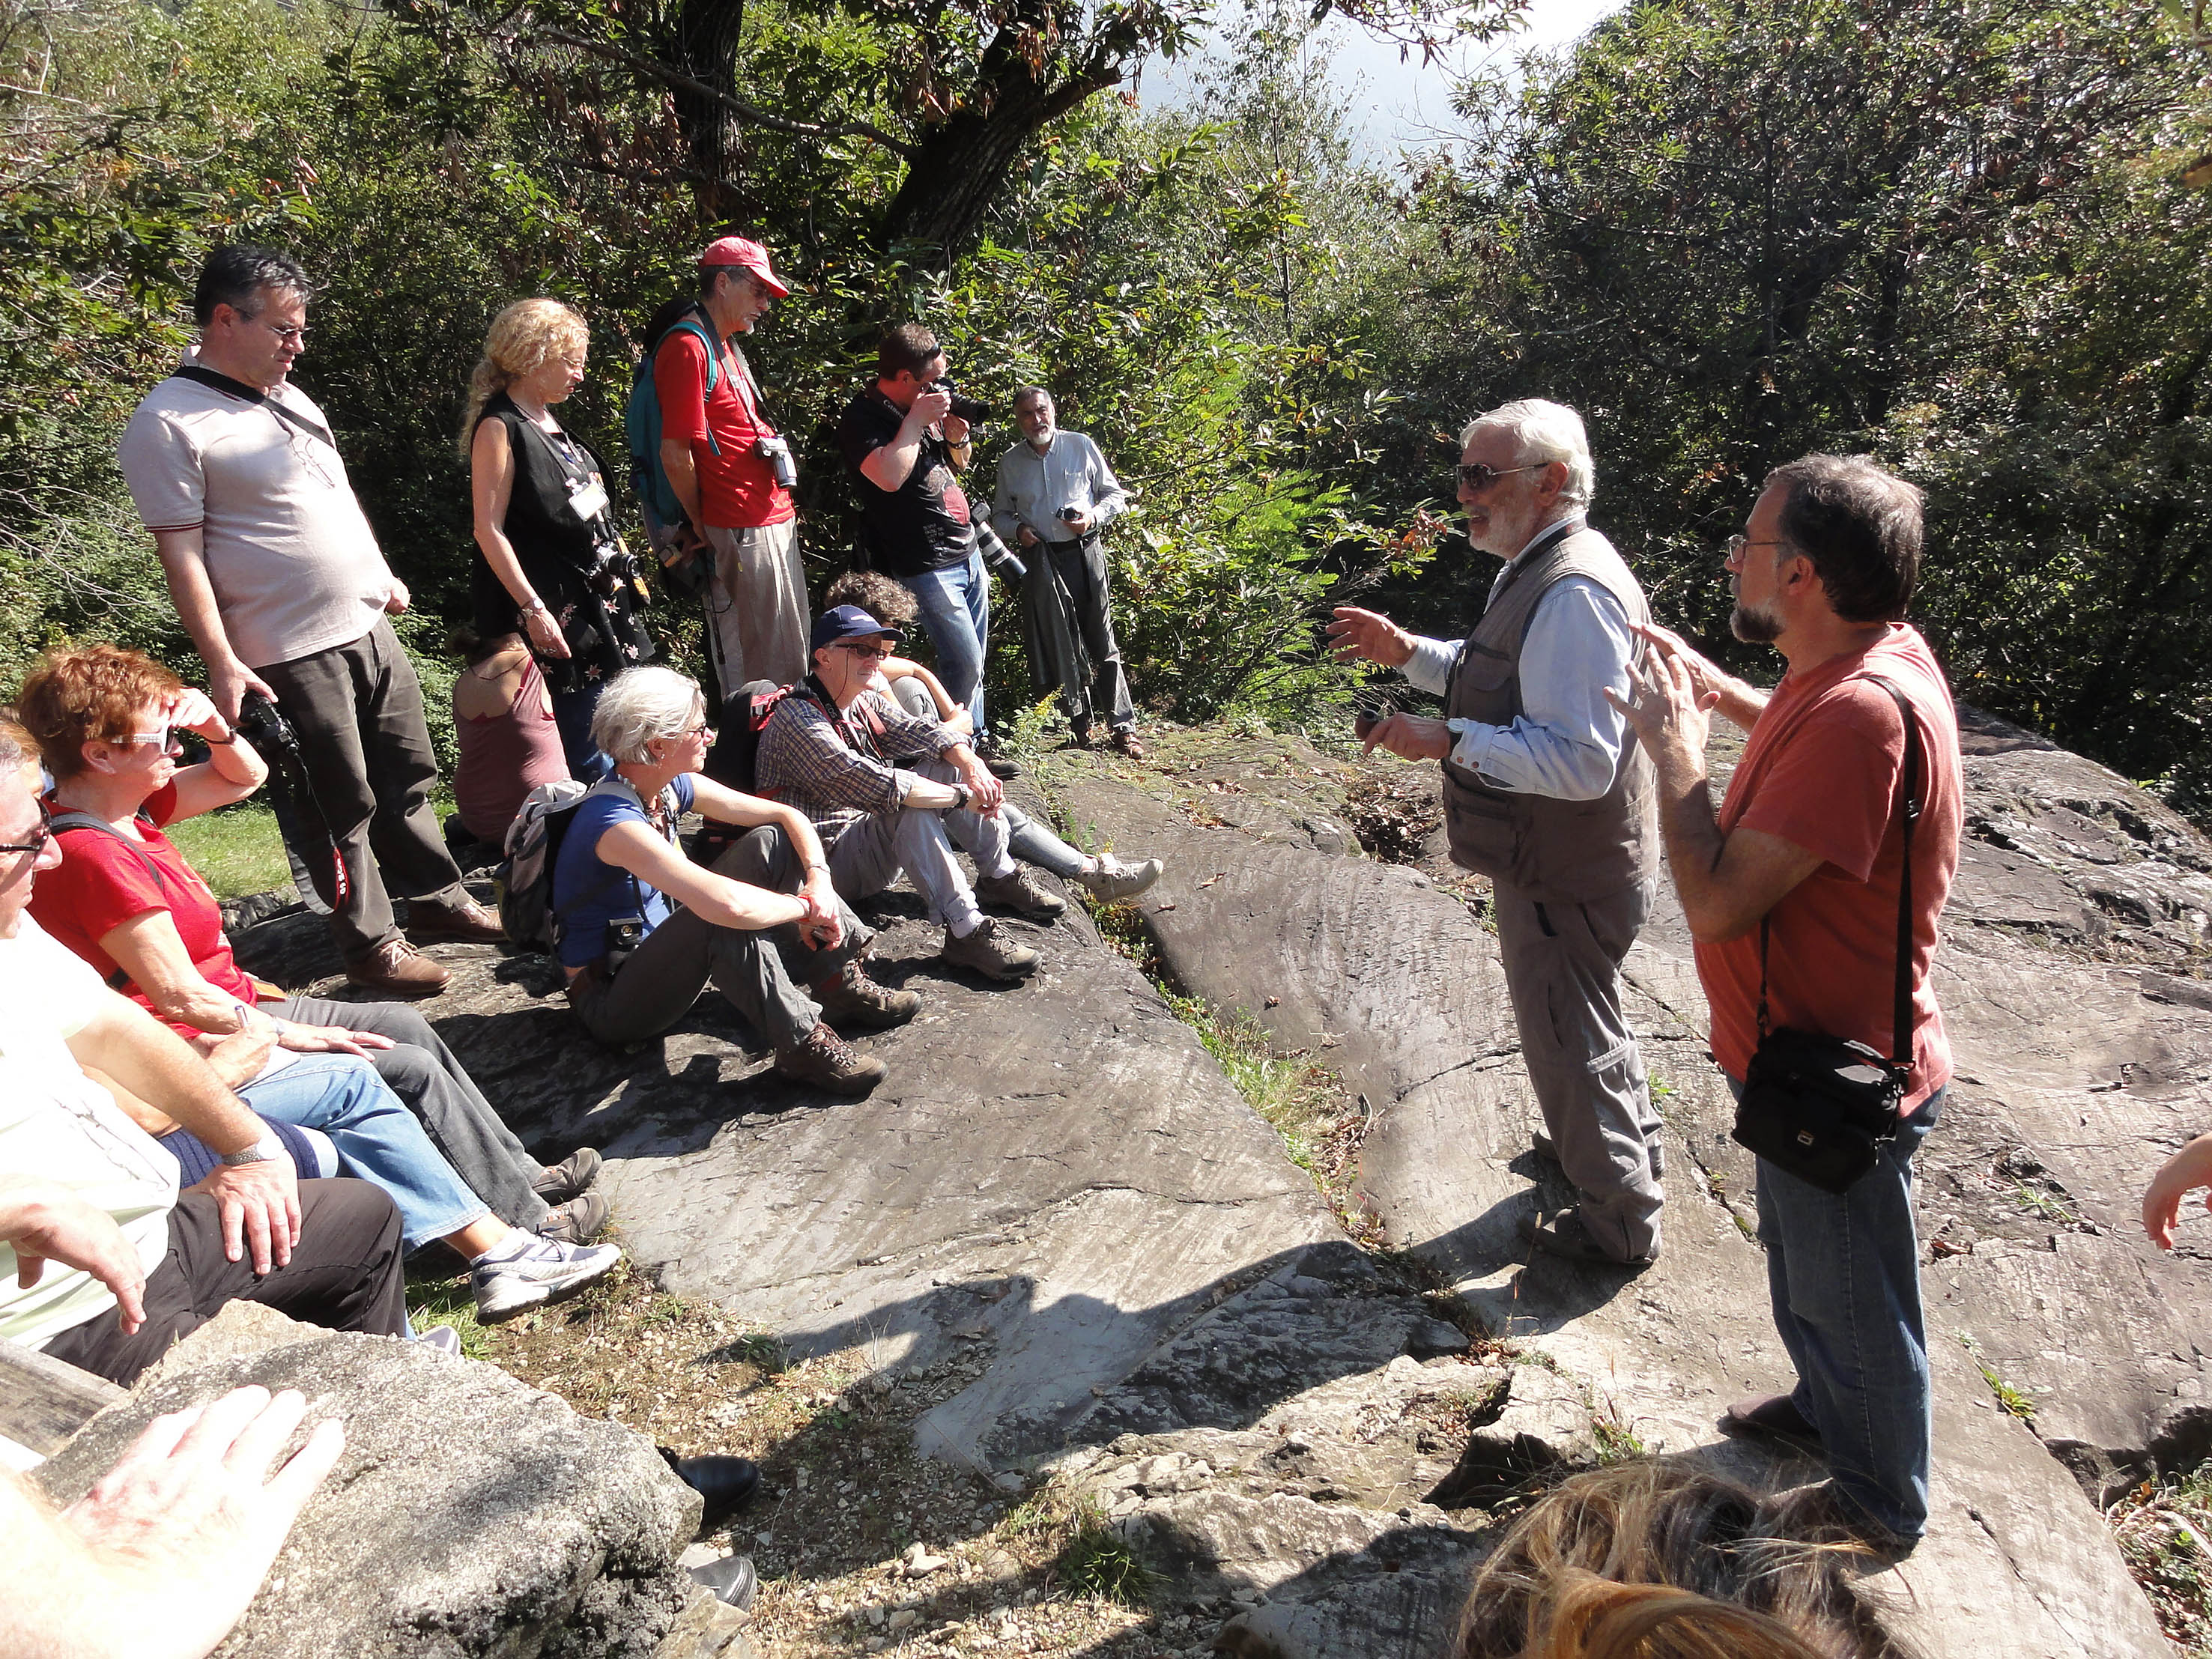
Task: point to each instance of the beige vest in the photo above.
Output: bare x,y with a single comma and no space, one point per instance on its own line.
1555,851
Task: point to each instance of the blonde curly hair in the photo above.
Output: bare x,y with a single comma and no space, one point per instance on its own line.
521,340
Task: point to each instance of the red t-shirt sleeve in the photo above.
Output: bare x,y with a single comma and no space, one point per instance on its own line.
679,380
1832,788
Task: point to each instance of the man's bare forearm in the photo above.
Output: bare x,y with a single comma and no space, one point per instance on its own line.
185,567
155,1063
683,478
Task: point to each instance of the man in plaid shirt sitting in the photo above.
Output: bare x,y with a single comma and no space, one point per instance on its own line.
890,792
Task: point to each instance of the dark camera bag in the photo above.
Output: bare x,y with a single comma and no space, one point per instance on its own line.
1818,1106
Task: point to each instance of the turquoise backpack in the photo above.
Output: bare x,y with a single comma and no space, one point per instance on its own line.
642,421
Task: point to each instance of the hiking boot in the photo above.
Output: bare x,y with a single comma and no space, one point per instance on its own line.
1018,891
828,1062
1542,1143
465,923
1114,881
989,952
996,761
856,1000
1563,1236
573,1175
545,1271
576,1221
1771,1417
1078,734
1124,739
396,969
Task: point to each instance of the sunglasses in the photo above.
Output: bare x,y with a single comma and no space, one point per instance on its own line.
163,735
880,652
38,844
1475,475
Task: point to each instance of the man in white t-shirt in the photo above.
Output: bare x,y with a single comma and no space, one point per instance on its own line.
279,580
112,1300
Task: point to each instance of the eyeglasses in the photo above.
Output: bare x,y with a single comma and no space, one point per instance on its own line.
698,731
878,652
38,843
1737,544
163,735
1475,475
290,336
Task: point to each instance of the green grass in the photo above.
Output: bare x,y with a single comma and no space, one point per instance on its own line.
1097,1561
432,1302
236,850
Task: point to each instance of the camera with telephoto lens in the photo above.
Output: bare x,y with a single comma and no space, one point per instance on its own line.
997,555
778,452
970,409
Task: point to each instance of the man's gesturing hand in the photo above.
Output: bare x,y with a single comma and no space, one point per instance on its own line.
1669,706
191,1518
2181,1175
260,1201
52,1223
1358,635
1411,737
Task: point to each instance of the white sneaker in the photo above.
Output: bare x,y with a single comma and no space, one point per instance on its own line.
545,1270
1114,880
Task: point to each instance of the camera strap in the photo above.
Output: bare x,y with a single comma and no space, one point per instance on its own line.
239,389
1908,807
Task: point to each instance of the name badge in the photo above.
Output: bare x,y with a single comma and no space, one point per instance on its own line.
588,500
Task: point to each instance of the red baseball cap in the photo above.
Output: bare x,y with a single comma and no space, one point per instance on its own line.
746,256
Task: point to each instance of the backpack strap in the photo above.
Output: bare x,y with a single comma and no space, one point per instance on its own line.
62,822
696,324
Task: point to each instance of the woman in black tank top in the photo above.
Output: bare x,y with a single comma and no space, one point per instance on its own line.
548,562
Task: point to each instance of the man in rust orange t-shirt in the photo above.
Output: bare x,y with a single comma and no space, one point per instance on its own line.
1810,842
722,458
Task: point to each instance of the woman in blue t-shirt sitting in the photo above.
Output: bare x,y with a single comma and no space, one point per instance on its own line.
643,929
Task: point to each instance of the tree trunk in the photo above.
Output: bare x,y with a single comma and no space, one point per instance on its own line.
707,32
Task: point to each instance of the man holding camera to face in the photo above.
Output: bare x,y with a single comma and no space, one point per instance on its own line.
906,437
1055,494
732,472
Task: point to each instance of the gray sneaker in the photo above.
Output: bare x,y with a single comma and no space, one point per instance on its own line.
576,1221
1113,880
546,1271
1018,891
989,952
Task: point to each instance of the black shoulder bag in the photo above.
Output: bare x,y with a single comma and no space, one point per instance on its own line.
1818,1106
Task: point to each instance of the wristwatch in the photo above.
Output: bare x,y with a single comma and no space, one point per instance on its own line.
263,1151
967,795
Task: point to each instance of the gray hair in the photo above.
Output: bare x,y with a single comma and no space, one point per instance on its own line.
1544,431
638,705
1023,393
15,752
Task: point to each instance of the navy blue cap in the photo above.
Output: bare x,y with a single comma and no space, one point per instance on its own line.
846,621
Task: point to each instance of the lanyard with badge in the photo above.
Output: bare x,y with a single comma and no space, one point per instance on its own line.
611,567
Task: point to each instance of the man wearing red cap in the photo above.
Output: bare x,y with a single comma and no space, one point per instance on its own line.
732,473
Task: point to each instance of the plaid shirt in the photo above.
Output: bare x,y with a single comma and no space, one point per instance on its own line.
838,770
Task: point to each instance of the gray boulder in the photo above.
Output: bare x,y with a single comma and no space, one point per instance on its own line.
470,1515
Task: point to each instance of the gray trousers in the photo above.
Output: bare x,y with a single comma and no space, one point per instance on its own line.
1563,972
868,856
760,973
429,1077
756,615
358,709
1068,625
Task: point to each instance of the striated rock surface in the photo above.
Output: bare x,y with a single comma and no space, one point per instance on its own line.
1059,1191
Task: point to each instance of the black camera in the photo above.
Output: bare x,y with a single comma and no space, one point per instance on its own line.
968,409
997,555
269,731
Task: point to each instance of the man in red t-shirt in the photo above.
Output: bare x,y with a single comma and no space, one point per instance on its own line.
1809,846
722,458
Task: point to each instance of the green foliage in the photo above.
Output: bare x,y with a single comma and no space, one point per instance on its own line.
1095,1560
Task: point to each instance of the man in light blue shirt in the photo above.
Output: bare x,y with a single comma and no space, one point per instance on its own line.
1547,793
1055,493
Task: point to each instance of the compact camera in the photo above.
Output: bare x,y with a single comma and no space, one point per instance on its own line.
778,453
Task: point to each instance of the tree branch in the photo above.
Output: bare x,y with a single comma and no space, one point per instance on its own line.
656,71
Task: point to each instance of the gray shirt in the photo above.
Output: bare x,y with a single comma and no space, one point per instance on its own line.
293,563
1033,487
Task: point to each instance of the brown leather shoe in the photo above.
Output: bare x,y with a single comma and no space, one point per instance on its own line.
824,1060
1775,1416
1124,739
465,923
398,970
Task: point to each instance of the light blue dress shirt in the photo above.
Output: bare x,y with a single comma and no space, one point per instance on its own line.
1033,487
1567,743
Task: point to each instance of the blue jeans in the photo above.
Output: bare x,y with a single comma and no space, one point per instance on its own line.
378,1139
572,717
1843,1270
956,614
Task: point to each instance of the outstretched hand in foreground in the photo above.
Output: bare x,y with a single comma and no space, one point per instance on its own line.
162,1556
2181,1175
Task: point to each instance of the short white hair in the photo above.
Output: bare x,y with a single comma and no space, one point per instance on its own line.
1544,431
638,705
